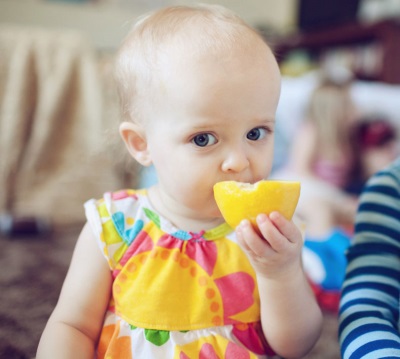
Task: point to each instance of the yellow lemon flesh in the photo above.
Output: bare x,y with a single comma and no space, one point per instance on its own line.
238,201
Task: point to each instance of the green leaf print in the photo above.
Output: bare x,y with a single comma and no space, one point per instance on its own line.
157,337
152,216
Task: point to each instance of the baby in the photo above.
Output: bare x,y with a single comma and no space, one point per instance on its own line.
199,90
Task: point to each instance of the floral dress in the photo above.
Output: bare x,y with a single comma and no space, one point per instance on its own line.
175,294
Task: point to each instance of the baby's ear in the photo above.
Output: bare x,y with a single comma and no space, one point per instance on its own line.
135,141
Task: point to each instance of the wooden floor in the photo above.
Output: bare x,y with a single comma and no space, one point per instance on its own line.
31,276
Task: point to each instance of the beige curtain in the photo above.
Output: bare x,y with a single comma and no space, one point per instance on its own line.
58,125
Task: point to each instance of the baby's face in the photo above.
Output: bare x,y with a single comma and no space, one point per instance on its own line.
214,122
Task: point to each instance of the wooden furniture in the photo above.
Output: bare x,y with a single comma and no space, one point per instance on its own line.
372,50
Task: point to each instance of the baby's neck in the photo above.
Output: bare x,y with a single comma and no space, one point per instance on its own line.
180,217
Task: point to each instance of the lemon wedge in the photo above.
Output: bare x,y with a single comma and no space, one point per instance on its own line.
238,200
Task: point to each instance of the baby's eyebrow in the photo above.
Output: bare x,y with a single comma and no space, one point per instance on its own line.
209,125
206,125
268,121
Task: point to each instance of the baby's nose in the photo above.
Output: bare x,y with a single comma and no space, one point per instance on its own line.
235,161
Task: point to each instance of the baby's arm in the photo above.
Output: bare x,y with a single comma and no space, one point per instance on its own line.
74,326
290,316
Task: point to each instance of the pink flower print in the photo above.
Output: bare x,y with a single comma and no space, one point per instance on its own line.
251,336
123,194
204,253
207,352
233,286
235,351
142,243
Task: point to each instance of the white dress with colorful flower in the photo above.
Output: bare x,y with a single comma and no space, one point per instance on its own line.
175,294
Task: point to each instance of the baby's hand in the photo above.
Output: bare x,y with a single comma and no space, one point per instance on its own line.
275,253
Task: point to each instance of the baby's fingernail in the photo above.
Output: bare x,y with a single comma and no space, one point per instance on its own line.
244,224
274,215
261,218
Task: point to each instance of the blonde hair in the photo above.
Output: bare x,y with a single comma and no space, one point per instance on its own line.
192,31
330,109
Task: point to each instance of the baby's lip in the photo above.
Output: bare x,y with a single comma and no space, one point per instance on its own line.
239,180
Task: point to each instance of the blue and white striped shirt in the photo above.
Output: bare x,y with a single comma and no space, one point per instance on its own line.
369,321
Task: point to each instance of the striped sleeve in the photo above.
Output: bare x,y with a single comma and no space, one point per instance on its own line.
369,307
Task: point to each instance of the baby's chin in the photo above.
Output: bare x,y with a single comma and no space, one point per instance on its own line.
216,213
207,212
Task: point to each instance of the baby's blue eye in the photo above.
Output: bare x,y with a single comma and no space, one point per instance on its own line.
256,134
204,139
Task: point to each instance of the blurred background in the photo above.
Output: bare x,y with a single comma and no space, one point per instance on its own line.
58,128
58,106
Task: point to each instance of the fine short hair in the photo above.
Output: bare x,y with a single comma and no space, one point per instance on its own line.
193,31
329,106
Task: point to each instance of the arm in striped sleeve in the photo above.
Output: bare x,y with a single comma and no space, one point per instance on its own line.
369,306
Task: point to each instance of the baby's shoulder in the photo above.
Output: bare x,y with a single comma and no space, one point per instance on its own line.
123,197
117,203
116,219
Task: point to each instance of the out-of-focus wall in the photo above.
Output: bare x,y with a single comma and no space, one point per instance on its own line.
278,14
106,21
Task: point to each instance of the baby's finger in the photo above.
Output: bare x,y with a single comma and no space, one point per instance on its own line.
241,239
275,238
285,227
253,243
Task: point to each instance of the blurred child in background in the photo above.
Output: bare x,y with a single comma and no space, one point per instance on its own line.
322,158
333,153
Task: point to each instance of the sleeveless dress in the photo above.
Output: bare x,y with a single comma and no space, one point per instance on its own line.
175,294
